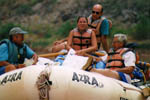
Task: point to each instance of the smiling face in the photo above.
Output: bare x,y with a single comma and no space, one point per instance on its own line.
97,11
82,23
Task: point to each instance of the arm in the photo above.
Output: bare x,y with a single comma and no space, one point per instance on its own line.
35,58
4,55
129,61
127,70
31,54
4,63
104,43
60,41
69,42
104,30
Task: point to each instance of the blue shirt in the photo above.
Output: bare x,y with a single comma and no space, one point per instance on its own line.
104,29
4,52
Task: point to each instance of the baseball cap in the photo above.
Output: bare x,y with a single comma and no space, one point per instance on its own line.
17,30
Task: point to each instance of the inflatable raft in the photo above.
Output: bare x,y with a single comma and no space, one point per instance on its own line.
49,81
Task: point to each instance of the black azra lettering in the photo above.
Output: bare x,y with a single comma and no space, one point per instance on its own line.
121,98
85,79
11,78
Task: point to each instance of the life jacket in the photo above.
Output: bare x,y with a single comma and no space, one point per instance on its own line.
95,26
115,60
132,47
14,54
81,41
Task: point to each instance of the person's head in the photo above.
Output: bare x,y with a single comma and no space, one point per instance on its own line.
16,35
97,11
82,23
119,41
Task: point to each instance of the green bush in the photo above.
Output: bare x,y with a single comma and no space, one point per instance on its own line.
2,2
116,29
4,30
6,2
53,1
33,2
144,46
65,28
24,9
40,43
49,33
142,29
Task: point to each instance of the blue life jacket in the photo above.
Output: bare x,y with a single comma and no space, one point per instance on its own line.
14,55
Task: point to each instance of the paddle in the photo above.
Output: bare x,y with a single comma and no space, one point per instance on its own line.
143,63
51,54
139,62
99,53
62,53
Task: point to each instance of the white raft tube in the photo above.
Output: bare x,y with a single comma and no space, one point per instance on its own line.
63,83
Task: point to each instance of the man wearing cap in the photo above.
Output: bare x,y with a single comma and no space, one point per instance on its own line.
13,51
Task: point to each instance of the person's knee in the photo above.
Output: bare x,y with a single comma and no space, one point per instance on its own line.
53,49
58,48
113,74
10,68
108,70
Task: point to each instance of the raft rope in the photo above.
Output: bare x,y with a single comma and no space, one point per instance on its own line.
43,85
127,88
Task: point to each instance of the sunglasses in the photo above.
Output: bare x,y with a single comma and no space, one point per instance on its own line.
95,12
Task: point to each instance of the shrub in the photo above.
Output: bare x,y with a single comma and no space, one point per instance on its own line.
40,43
6,2
117,29
142,29
33,2
24,9
144,46
65,28
2,2
4,30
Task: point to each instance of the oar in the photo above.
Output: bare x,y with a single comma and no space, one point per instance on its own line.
51,54
143,63
139,62
62,53
99,53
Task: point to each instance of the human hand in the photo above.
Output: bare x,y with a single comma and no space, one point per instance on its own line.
80,53
34,63
93,70
94,30
20,66
35,59
57,42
